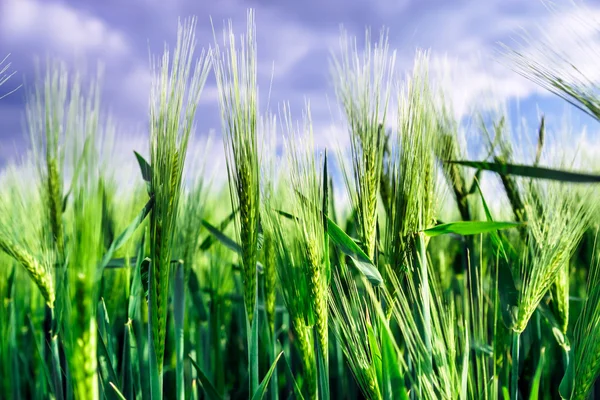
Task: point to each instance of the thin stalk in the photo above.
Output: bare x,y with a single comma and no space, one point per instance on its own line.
56,369
178,308
272,357
155,375
253,353
425,296
215,328
15,377
269,329
515,365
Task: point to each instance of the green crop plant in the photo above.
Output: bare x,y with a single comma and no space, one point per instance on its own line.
236,73
400,269
177,85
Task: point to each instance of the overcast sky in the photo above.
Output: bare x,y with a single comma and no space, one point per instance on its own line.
294,37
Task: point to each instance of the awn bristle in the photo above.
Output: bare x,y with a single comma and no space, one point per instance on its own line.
5,75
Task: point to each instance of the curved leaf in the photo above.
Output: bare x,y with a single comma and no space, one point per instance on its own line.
208,387
466,228
262,388
531,172
224,239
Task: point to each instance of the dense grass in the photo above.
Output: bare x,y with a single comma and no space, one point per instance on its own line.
428,287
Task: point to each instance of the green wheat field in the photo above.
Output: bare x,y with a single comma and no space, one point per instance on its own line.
416,284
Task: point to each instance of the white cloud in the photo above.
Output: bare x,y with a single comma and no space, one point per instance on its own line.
466,55
60,27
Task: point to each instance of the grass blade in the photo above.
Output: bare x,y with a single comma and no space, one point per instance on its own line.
531,172
322,370
208,242
351,249
117,391
465,228
537,377
144,167
262,388
126,234
126,363
106,354
208,387
224,239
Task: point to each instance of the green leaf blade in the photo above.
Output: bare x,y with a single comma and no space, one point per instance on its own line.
466,228
531,172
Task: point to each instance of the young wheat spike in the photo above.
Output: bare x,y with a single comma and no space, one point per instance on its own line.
40,274
307,182
363,81
586,344
290,256
413,170
175,95
48,124
552,238
236,75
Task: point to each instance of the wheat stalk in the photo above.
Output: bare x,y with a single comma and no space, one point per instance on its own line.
176,89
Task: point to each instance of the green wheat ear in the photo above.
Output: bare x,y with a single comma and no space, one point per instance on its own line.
584,367
363,82
552,239
19,238
176,89
292,279
413,167
307,182
236,75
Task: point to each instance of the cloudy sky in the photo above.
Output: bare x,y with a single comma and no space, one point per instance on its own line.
294,43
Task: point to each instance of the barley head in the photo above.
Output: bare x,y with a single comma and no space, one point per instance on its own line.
294,285
176,90
363,81
586,338
552,238
236,76
307,183
22,233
